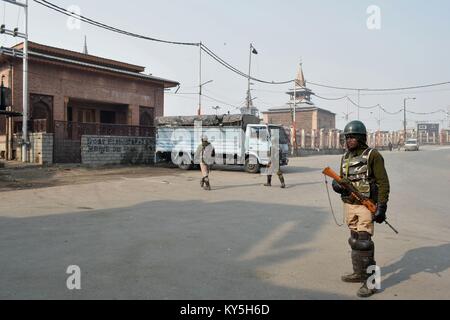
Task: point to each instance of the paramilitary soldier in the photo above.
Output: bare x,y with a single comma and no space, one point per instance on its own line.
275,156
205,156
363,167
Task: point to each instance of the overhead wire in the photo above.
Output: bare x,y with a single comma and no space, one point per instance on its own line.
220,60
108,27
380,89
230,67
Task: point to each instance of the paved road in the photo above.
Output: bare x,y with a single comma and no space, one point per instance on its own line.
161,237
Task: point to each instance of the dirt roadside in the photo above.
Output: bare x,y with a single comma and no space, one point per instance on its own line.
17,176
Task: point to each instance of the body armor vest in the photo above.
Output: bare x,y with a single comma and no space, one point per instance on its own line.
356,170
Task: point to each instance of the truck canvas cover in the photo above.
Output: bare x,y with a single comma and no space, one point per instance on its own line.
228,120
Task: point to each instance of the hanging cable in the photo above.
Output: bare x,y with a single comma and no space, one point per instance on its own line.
381,89
208,51
105,26
331,99
367,108
427,113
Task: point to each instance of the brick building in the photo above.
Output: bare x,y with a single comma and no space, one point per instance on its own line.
307,116
72,87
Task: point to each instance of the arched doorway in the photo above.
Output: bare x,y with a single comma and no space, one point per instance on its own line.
42,109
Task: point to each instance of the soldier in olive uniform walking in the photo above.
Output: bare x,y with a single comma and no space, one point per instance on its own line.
204,155
363,167
275,156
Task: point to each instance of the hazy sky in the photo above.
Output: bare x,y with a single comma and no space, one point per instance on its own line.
330,37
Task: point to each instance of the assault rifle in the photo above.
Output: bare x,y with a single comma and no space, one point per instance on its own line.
365,201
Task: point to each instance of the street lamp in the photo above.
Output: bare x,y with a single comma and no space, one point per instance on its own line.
199,111
404,116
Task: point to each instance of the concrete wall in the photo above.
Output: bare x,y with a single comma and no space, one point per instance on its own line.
41,147
103,150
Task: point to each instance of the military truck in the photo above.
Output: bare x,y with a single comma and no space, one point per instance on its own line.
238,139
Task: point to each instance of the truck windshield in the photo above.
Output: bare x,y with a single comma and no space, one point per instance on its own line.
283,137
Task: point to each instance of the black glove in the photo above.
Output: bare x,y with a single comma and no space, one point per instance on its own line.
339,189
380,215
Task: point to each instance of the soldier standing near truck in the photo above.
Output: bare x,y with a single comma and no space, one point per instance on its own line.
275,156
205,156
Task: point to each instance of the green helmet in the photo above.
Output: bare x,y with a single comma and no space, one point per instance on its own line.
355,127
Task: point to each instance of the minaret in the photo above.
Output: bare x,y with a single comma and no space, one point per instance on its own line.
301,92
85,49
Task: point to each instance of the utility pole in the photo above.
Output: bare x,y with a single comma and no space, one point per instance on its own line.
249,99
199,110
359,95
16,33
448,117
404,116
294,118
249,70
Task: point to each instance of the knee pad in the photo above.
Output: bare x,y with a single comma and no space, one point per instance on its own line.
353,238
364,242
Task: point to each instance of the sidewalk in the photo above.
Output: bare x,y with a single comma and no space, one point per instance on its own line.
17,175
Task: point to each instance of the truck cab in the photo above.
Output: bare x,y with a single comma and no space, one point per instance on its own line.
260,140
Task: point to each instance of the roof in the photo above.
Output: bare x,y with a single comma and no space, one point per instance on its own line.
208,120
62,56
298,109
63,53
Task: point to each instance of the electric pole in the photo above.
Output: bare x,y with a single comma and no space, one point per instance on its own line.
16,33
404,116
359,98
199,110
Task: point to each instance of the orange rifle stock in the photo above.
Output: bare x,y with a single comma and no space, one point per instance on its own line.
354,193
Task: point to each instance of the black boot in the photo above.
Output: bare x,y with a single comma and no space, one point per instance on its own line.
269,181
282,181
207,185
365,292
356,276
202,182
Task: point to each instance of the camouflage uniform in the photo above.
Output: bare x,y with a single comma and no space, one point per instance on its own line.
271,170
203,155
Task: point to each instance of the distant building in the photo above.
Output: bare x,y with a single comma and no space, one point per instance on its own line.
307,115
427,128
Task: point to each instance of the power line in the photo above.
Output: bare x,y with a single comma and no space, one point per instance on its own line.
220,101
427,113
391,113
381,89
344,97
237,71
215,56
105,26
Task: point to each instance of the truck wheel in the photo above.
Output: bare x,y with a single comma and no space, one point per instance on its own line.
252,166
185,166
183,161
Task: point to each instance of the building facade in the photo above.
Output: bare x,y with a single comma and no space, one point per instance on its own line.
307,116
72,87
